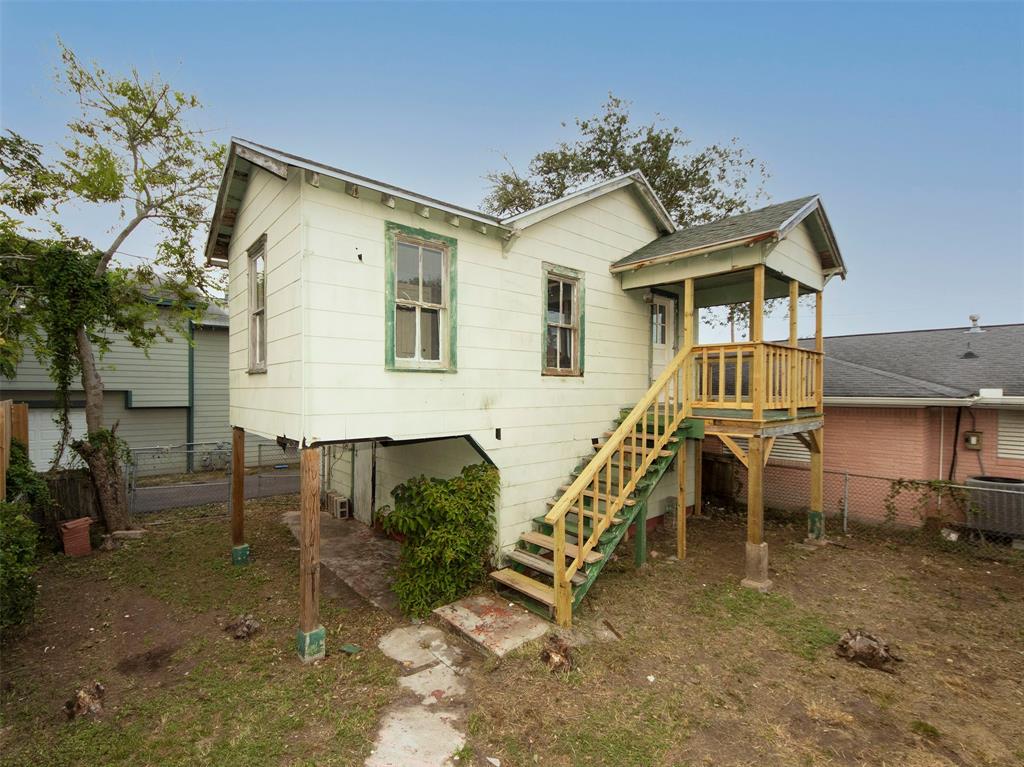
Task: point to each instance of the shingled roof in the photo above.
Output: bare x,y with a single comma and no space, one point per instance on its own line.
949,363
764,223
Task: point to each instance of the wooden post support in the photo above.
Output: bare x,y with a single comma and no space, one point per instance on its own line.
681,499
698,477
640,541
819,346
311,637
794,360
757,549
563,590
816,513
239,548
757,371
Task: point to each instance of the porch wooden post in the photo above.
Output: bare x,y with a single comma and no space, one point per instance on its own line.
819,346
698,477
311,637
757,338
681,501
757,549
689,339
239,548
816,513
794,360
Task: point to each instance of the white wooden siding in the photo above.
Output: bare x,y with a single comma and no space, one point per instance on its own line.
268,404
1010,441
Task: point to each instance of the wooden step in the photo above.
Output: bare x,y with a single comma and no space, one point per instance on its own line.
571,529
601,498
524,584
631,449
547,542
650,437
541,565
589,513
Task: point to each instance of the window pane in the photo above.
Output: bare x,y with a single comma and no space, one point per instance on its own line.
259,282
567,314
430,334
432,280
554,300
565,351
405,332
658,323
407,272
551,354
259,340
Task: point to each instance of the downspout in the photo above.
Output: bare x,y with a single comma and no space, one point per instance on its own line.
190,421
956,442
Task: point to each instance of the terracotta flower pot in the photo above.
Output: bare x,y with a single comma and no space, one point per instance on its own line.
75,535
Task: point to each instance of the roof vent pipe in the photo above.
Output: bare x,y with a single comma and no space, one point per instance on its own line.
975,327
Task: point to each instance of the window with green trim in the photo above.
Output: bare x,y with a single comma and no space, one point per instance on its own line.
257,260
563,321
421,297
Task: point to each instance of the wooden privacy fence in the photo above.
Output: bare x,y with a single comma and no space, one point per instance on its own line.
13,425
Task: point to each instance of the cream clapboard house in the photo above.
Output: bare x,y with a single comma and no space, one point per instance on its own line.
404,335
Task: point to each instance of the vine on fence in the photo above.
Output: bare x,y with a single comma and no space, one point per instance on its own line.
928,497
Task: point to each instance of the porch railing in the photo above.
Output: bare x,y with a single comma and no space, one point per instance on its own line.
723,377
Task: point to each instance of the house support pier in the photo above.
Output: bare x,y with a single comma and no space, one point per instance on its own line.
239,548
311,643
757,549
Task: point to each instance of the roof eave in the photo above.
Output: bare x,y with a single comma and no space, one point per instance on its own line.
699,250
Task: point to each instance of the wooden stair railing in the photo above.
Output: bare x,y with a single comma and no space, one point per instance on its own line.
658,414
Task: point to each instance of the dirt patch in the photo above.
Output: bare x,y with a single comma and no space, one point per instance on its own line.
149,661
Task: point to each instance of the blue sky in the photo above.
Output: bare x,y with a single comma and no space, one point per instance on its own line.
908,118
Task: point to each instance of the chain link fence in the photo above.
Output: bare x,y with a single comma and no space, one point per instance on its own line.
199,473
986,511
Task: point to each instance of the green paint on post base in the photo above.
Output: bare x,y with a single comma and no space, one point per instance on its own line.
815,525
240,554
311,645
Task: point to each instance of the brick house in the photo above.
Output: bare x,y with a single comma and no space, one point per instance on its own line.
928,404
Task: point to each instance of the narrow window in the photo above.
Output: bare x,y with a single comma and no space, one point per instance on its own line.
563,332
258,306
421,323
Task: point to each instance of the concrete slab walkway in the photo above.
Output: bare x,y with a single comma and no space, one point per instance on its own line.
363,560
497,625
426,732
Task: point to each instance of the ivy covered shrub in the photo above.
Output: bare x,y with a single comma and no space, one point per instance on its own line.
448,528
23,482
18,542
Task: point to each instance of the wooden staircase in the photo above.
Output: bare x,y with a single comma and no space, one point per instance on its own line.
555,564
529,572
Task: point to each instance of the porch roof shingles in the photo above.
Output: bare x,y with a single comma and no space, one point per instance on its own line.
925,363
739,227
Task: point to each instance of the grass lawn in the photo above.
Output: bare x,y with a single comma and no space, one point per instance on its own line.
706,673
709,673
147,621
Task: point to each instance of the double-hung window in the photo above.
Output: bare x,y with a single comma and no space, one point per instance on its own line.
257,262
563,321
421,327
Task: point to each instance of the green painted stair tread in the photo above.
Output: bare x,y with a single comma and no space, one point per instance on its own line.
631,449
541,565
601,496
524,584
588,512
650,437
572,532
535,538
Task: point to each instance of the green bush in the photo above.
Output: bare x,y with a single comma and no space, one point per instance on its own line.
448,528
23,481
18,542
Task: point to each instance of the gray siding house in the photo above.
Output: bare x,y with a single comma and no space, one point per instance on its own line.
175,396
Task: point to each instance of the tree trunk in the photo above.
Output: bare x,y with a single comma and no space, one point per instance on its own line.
103,460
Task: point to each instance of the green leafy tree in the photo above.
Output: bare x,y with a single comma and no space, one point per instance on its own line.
696,185
133,152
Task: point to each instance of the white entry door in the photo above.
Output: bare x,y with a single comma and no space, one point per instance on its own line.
663,333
